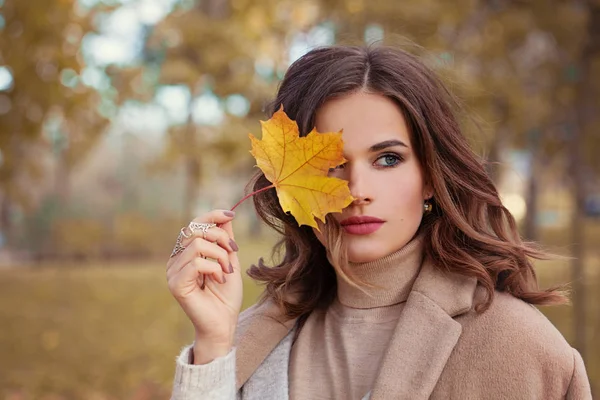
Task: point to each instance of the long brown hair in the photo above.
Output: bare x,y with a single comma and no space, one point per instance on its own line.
468,232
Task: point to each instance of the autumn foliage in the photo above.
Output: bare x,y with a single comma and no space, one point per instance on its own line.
298,168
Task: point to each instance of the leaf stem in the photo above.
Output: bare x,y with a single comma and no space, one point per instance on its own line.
250,195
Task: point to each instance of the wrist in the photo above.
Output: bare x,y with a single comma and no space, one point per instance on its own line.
204,352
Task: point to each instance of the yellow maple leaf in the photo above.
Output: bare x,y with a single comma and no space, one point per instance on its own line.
298,168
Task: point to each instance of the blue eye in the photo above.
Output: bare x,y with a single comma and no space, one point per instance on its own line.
391,160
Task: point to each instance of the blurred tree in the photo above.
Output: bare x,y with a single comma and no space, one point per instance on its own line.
217,50
586,122
46,112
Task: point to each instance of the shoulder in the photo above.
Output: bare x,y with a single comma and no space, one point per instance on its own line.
511,321
513,348
518,336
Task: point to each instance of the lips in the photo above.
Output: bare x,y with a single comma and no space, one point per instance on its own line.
361,225
363,219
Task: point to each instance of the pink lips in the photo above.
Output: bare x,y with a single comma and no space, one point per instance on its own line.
361,225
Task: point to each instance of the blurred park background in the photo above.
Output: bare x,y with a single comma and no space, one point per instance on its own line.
120,120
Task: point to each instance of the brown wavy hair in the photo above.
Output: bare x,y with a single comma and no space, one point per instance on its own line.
469,231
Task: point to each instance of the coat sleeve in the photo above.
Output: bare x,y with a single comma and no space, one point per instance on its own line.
579,387
212,381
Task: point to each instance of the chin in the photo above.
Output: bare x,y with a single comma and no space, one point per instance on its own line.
367,254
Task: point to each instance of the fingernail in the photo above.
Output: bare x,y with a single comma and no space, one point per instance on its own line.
233,245
229,213
224,279
230,268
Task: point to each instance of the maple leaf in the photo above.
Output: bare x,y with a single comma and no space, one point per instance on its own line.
298,168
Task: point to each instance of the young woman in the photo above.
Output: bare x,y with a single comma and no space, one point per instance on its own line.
420,289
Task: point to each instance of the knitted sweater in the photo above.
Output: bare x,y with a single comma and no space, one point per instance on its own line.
339,350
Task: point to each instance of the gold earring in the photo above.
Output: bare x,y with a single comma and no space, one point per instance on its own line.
427,207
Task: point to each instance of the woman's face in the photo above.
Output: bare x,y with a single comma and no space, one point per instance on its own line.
383,172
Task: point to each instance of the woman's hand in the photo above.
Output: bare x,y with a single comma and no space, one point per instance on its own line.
209,290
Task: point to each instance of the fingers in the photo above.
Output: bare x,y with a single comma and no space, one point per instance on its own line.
233,257
202,248
191,271
199,244
228,228
216,217
215,234
207,267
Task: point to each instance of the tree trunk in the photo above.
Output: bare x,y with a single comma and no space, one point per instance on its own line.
499,140
62,187
530,225
584,114
8,227
215,9
530,228
192,167
5,220
577,237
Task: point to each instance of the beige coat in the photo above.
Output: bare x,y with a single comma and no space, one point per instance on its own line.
442,349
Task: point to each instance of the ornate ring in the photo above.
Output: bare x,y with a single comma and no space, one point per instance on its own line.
177,249
200,226
183,233
193,227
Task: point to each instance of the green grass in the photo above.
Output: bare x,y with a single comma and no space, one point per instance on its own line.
112,332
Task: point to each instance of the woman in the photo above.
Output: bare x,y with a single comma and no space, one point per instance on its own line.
421,288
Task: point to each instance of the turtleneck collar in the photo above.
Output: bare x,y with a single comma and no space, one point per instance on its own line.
394,275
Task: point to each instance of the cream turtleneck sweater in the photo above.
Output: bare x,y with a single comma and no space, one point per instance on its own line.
338,351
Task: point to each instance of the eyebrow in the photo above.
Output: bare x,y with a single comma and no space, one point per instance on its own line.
385,144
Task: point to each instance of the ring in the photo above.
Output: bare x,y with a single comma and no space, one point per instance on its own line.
200,226
193,227
182,232
178,246
177,249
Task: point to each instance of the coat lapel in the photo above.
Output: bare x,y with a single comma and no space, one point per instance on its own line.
257,336
420,346
425,335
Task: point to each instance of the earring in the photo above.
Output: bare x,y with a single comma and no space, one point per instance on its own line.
427,207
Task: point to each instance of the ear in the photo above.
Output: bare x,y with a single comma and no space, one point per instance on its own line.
427,192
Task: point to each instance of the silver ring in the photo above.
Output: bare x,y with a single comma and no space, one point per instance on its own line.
200,226
193,226
178,247
182,232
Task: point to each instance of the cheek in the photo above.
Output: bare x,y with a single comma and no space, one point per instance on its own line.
407,194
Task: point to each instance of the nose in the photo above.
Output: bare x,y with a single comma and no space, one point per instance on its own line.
357,182
360,200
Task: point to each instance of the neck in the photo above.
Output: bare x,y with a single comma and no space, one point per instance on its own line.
391,278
